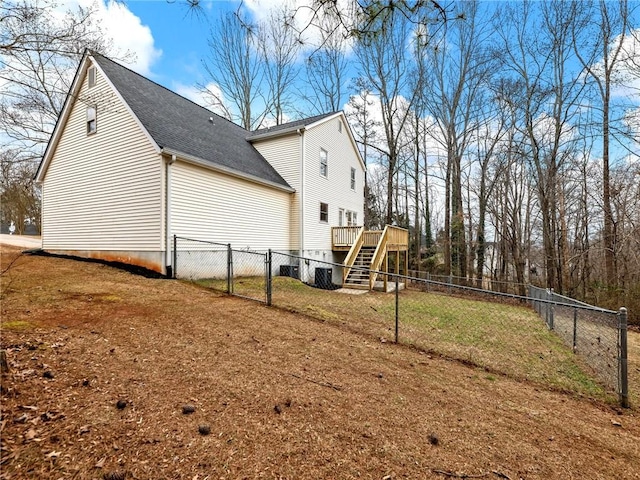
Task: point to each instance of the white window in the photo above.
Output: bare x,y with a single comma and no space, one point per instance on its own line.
91,120
353,178
341,217
352,218
324,212
91,74
339,126
324,166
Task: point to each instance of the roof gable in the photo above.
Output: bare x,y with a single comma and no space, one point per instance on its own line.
306,124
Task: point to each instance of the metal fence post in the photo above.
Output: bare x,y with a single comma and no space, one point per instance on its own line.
269,277
174,272
397,308
575,329
229,268
549,310
622,358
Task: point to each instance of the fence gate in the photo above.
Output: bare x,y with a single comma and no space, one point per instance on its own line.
220,267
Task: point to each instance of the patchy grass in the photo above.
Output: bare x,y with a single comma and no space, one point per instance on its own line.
503,338
17,325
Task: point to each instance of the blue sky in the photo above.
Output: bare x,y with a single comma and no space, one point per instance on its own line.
182,37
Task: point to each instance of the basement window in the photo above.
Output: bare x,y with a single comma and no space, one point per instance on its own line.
324,212
91,120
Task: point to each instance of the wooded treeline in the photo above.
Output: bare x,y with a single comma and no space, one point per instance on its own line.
509,144
503,135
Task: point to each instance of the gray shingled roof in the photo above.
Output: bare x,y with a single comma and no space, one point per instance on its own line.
179,124
288,126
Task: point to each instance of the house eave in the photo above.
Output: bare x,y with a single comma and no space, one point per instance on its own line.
192,159
275,134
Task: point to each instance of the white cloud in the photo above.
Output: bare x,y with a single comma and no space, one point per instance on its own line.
626,75
124,29
129,34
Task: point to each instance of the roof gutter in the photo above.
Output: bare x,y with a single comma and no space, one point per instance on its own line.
276,133
227,171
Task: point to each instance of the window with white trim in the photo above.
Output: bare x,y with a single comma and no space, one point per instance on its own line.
352,218
324,162
353,178
324,212
91,120
91,77
339,126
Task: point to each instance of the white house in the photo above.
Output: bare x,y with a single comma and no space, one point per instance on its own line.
131,163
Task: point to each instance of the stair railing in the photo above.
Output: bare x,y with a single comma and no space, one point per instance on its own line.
378,257
353,254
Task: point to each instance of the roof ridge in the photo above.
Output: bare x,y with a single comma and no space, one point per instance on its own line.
92,53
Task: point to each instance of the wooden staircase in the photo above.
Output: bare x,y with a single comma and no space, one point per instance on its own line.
358,275
368,253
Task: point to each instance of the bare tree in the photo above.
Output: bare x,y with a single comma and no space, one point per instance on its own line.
388,67
279,48
602,55
235,67
327,70
39,54
538,51
365,129
38,57
460,68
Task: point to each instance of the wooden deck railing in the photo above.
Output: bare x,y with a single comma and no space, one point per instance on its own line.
393,238
353,253
344,236
398,238
378,257
372,237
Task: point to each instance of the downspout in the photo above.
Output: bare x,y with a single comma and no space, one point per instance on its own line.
168,260
300,132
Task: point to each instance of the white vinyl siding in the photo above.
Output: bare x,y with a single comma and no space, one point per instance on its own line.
335,189
103,191
283,153
208,205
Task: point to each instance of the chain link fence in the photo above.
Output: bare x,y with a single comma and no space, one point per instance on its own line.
497,331
485,283
596,334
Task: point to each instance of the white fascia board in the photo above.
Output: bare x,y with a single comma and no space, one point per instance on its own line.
275,134
185,157
325,119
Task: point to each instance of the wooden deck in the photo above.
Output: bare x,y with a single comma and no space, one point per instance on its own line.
368,253
343,238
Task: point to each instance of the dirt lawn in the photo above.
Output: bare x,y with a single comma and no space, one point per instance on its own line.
280,396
